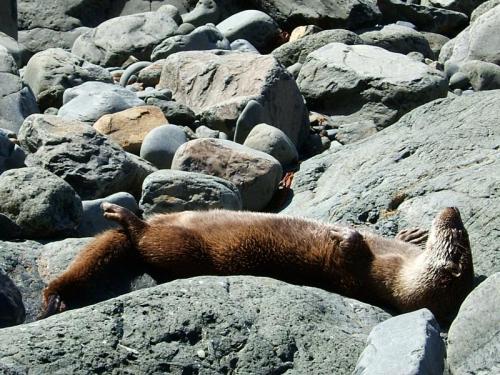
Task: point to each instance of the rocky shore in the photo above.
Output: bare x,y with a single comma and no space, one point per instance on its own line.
375,114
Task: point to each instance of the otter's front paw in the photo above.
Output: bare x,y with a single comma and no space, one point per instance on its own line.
53,304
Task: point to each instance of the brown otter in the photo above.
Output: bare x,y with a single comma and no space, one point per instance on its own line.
396,273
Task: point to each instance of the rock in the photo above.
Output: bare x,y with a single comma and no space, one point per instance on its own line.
254,26
132,70
218,86
274,142
173,191
11,155
150,76
436,42
74,151
155,94
51,72
482,75
90,101
39,202
237,322
398,39
463,6
113,41
477,42
359,82
459,80
18,50
253,172
473,338
294,69
160,145
129,127
12,310
302,31
8,18
253,114
298,50
205,11
242,45
483,8
170,10
16,101
406,344
200,39
205,132
176,113
9,230
40,39
185,28
435,20
350,14
93,221
401,176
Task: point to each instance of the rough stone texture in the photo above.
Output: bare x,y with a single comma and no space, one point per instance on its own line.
8,18
302,31
254,173
474,336
160,145
129,127
203,325
478,41
463,6
173,191
11,155
436,20
298,50
202,38
91,164
243,45
12,309
176,113
274,142
92,100
17,50
400,39
254,26
406,344
481,75
444,153
150,76
218,86
327,14
93,221
483,8
40,39
205,11
367,82
436,42
52,71
39,202
113,41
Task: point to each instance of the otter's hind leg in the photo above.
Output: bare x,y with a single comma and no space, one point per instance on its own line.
415,236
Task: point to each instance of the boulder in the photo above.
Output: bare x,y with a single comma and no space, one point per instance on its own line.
18,50
160,145
90,101
406,344
12,309
297,51
243,45
302,31
481,75
202,38
463,6
363,82
40,203
129,127
218,85
87,160
255,173
8,18
205,11
113,41
173,191
474,336
40,39
205,325
483,8
176,113
436,42
11,155
51,72
150,76
440,154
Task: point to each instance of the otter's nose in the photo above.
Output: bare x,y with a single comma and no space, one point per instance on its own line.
450,217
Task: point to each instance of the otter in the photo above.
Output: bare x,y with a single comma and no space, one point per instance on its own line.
417,269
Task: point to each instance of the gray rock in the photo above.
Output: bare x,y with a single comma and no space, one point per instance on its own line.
474,336
40,39
161,143
477,42
218,85
176,113
93,221
113,41
12,310
185,28
274,142
51,72
440,154
150,76
362,82
463,6
11,155
17,50
406,344
74,151
90,101
436,20
132,70
400,39
173,191
254,26
436,42
294,69
482,75
220,324
9,230
459,80
170,10
205,11
253,172
8,18
298,50
200,39
242,45
39,202
205,132
483,8
253,114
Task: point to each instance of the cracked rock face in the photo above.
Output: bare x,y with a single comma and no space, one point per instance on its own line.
200,325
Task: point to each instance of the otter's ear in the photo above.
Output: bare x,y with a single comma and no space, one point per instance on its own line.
454,268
